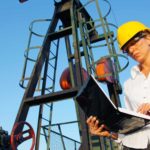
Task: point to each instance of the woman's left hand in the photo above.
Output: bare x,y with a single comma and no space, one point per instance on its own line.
144,109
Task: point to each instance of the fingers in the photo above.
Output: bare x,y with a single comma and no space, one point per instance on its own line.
105,127
95,127
148,113
93,123
144,108
91,119
99,130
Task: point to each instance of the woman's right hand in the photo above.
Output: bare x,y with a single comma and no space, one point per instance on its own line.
99,130
144,108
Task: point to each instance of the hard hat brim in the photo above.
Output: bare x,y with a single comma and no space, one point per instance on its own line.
122,48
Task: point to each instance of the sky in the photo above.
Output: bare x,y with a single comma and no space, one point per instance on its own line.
14,32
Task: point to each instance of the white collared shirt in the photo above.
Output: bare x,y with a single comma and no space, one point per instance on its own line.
137,91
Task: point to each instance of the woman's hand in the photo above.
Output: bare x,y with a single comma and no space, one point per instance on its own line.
99,130
144,109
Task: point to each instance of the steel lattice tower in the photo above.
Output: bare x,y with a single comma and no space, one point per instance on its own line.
74,24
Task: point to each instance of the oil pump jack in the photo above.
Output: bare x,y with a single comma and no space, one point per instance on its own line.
77,25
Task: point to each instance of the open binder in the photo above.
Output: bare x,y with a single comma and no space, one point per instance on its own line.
94,101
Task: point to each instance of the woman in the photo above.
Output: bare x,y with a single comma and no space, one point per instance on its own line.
134,39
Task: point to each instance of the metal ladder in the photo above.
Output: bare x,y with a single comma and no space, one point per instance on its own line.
51,67
47,80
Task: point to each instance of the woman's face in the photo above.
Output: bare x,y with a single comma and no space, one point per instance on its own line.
140,50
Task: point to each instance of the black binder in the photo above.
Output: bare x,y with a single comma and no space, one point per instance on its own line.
94,101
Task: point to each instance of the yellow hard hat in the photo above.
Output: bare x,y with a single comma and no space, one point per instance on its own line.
128,30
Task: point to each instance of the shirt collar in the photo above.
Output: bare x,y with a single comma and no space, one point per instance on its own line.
135,71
